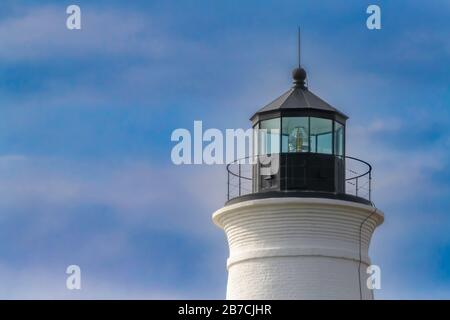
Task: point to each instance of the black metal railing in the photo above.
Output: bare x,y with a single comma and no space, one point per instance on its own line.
358,177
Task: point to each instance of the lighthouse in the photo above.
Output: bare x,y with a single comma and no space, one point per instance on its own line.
300,217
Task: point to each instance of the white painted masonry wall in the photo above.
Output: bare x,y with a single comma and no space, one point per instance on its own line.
297,248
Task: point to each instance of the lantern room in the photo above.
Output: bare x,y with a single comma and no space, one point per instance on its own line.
304,137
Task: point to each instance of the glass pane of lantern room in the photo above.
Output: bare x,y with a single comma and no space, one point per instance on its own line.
294,134
321,135
338,139
269,136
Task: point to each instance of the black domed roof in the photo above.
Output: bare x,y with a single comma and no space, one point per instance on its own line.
299,98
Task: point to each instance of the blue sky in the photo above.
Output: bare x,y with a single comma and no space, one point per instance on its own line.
86,117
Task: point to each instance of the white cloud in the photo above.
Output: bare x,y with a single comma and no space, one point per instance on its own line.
137,191
143,197
35,282
41,33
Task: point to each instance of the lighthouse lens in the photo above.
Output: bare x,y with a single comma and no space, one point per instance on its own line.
295,134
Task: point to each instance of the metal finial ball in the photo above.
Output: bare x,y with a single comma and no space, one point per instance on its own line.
299,74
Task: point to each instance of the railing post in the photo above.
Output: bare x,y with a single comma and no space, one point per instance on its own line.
356,186
228,185
370,186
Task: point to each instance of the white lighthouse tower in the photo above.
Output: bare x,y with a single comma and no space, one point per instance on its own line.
299,225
